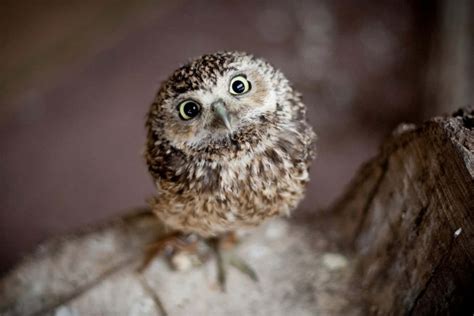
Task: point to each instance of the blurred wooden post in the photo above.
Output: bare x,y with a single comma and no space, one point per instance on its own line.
449,71
409,218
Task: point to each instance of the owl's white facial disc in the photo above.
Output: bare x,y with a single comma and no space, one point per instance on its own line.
242,109
219,98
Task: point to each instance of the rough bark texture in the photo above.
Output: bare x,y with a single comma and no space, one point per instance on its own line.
410,220
406,221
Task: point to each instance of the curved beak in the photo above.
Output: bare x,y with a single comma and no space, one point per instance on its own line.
221,113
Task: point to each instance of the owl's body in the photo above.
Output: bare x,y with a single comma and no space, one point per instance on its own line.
228,145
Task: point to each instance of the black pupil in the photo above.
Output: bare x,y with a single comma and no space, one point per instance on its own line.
191,109
238,86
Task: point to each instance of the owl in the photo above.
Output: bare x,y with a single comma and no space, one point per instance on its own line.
228,145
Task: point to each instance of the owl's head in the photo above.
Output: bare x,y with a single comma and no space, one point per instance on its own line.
218,101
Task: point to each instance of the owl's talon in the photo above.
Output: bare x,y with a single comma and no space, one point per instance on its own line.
243,267
224,257
177,247
168,244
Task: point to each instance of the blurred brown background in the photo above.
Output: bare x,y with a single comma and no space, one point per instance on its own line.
77,77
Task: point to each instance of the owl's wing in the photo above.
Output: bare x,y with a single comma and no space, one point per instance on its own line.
308,136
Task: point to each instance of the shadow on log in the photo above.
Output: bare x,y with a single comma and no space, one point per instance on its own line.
405,223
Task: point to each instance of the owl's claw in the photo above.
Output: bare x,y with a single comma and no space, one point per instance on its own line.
176,243
243,267
169,244
224,257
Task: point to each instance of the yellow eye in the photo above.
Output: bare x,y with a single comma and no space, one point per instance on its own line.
239,85
188,109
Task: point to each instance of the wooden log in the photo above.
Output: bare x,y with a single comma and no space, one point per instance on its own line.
409,218
95,273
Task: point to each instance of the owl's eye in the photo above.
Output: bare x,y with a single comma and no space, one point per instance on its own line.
239,85
188,109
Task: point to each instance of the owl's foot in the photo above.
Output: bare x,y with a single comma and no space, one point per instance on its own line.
184,250
171,245
225,256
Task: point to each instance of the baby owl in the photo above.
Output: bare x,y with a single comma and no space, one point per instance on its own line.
228,145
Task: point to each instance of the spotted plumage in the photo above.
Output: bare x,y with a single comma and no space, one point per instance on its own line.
228,145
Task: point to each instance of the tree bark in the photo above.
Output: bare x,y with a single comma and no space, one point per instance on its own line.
408,217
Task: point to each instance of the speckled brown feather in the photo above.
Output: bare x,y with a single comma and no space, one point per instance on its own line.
211,181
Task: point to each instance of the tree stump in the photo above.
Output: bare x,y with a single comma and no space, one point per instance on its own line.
408,217
405,228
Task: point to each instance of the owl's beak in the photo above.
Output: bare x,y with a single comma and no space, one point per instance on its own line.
221,113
